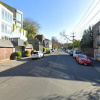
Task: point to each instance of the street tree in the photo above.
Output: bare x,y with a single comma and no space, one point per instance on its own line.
31,27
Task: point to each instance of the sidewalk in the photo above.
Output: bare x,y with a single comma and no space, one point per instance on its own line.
8,64
95,64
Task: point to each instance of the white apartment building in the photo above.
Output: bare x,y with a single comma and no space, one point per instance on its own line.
8,30
6,23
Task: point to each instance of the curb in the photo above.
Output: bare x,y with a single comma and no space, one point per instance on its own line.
95,68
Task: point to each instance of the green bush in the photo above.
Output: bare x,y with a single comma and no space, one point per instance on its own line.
18,53
27,53
15,58
18,58
45,49
34,50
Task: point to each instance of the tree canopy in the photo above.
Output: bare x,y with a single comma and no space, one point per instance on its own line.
31,27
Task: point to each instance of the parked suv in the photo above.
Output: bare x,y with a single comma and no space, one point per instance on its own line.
76,53
37,54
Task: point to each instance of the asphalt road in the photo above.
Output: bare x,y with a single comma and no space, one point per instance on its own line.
57,76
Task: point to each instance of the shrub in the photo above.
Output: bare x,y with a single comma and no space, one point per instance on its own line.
18,58
18,53
15,58
45,49
34,50
27,53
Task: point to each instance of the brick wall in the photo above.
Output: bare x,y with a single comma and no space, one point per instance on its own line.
5,53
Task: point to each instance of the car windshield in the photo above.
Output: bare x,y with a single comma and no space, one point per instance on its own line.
78,52
83,56
35,52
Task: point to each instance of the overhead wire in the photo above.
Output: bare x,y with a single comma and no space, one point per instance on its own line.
84,14
90,12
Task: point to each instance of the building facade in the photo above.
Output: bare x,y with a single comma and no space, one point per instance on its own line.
11,29
96,41
48,43
6,23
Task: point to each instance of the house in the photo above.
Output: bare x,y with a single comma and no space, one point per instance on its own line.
48,43
96,41
37,42
11,31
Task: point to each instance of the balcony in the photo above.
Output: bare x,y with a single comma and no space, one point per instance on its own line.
98,43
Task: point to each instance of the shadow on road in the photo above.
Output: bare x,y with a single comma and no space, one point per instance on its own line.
81,95
53,66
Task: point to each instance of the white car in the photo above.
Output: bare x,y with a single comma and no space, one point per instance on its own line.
52,50
76,53
37,54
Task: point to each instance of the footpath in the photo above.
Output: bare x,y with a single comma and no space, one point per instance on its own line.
8,64
95,64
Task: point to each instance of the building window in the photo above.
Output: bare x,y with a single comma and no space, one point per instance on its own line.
18,24
6,15
2,27
5,28
2,13
3,38
10,18
18,16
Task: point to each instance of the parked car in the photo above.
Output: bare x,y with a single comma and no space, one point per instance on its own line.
71,52
37,54
48,51
76,53
83,59
52,50
67,50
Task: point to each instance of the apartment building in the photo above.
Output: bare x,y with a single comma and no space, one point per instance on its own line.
96,41
11,31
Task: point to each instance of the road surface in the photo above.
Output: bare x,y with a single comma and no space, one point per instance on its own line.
57,76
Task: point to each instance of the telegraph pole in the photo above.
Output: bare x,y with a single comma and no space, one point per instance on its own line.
73,39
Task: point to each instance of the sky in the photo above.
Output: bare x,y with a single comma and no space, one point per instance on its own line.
55,16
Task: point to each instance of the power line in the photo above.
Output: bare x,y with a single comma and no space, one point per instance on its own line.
91,11
84,14
88,21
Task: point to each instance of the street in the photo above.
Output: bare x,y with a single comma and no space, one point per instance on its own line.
57,76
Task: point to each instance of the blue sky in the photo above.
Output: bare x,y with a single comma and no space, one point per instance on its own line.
54,16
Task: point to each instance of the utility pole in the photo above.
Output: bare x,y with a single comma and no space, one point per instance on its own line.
73,39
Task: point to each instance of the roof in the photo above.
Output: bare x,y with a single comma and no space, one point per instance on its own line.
29,46
6,43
